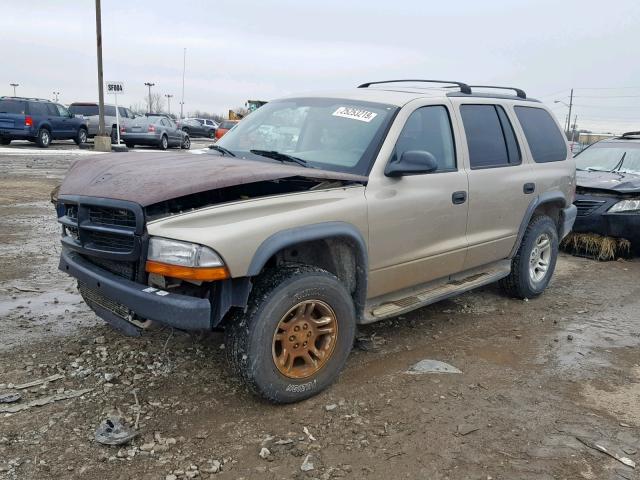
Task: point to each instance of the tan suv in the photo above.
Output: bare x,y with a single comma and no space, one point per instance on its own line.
318,213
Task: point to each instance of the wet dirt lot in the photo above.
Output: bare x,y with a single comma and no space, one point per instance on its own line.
537,376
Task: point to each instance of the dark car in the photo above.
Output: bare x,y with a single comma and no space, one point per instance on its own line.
157,130
39,121
195,128
608,193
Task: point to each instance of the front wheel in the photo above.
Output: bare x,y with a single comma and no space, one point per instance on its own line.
296,335
186,143
535,262
81,137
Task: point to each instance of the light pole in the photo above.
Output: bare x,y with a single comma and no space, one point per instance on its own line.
149,84
184,65
14,85
567,123
101,142
169,97
56,94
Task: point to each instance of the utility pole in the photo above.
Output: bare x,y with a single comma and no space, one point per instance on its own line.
56,96
573,130
570,107
169,97
101,142
149,84
14,85
184,66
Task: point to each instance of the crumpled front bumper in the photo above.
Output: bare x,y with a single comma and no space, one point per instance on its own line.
113,295
594,217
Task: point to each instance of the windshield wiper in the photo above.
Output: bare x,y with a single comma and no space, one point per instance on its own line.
222,150
282,157
619,164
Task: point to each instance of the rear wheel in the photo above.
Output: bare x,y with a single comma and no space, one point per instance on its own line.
43,139
295,336
164,143
81,137
212,134
114,134
533,265
186,143
130,145
5,141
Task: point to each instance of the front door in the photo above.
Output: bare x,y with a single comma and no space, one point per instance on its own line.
67,125
501,184
417,223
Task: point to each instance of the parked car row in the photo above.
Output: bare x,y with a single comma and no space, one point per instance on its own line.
154,129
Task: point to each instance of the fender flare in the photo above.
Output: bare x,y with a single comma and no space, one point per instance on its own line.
318,231
554,196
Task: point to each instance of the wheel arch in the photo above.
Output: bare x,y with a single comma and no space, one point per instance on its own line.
338,247
550,204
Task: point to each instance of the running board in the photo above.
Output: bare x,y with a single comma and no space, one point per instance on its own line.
434,294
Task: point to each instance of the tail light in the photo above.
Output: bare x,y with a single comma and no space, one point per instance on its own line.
28,121
123,129
152,128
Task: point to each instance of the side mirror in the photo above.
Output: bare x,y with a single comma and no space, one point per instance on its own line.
412,162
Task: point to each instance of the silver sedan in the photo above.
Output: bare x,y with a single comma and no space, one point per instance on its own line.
155,130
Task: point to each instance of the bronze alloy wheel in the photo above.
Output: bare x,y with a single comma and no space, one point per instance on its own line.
305,339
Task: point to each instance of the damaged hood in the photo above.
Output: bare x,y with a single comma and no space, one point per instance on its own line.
148,178
616,182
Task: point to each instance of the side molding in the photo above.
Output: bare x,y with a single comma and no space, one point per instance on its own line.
318,231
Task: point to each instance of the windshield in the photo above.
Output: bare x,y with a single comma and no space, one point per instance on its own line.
327,133
609,157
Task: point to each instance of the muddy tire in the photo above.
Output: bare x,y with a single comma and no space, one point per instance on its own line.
43,139
535,261
296,335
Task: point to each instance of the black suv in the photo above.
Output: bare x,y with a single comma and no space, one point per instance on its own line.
39,121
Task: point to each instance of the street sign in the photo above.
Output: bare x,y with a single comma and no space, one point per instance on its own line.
115,87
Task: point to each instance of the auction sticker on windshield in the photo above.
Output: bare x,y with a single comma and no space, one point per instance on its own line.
355,114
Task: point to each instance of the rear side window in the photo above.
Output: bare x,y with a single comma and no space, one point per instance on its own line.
13,106
490,136
122,111
38,108
227,125
429,129
545,140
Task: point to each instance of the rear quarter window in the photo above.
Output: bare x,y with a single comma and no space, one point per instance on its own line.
38,108
543,136
12,106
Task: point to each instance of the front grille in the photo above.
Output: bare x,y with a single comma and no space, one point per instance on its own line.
115,217
122,269
92,296
102,228
587,207
109,242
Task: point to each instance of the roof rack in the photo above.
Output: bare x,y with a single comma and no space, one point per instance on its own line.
464,88
630,134
520,93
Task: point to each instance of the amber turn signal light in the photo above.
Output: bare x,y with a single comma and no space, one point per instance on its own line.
203,274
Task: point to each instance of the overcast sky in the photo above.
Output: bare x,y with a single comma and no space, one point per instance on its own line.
265,49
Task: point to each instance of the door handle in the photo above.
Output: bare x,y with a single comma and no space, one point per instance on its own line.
529,188
459,197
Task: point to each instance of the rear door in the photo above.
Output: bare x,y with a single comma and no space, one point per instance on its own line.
12,116
501,184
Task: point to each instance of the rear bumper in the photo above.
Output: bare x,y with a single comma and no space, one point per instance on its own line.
25,133
141,138
568,220
175,310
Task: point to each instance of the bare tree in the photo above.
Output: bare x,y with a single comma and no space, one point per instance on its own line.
138,108
201,114
157,103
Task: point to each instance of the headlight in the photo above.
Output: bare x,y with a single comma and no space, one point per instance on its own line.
626,206
189,261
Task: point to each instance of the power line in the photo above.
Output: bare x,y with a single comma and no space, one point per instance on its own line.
607,96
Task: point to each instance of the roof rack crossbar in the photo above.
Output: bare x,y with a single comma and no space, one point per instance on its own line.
519,92
464,88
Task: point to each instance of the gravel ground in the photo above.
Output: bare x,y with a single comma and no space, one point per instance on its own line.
539,379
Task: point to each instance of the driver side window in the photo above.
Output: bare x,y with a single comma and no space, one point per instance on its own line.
429,129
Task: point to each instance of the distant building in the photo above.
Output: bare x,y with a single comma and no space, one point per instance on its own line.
587,138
